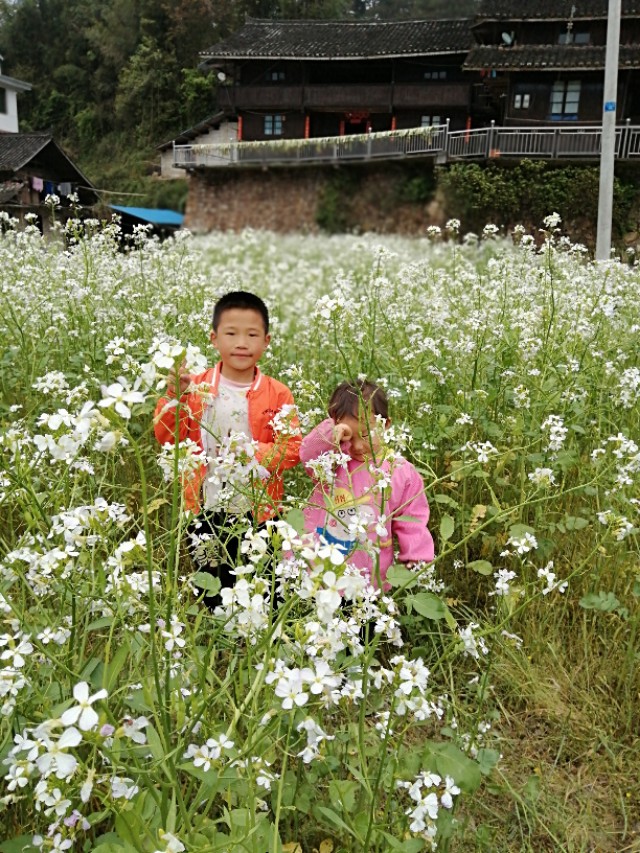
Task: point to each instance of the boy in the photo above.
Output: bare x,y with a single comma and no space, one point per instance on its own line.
376,497
220,410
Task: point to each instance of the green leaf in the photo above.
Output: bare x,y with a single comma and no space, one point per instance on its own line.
410,845
482,567
343,793
334,819
295,517
448,760
487,760
399,575
516,531
447,526
531,789
155,744
574,522
114,667
428,605
203,580
130,827
447,500
102,622
19,844
603,601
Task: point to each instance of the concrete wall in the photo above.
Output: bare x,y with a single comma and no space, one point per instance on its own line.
227,131
357,198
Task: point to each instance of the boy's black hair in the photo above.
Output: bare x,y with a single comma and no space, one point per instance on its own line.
349,397
240,299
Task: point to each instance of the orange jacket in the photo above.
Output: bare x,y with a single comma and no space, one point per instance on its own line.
265,398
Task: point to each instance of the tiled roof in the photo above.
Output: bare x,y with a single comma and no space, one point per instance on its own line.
525,10
548,57
16,149
342,39
192,132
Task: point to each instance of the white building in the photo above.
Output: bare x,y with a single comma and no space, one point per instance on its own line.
9,88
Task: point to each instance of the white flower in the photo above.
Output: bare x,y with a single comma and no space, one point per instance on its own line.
60,844
82,713
172,844
55,759
552,221
503,577
123,788
543,477
290,688
451,790
120,396
133,729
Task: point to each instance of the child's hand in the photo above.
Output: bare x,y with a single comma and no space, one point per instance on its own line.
182,382
342,432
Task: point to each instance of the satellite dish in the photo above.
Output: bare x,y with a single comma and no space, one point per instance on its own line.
222,76
507,38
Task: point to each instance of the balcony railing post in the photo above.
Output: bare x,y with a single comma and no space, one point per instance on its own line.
445,140
555,144
625,135
490,135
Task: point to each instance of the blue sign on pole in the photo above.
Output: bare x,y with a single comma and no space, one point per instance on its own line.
609,106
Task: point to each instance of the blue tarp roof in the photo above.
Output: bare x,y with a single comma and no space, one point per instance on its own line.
154,215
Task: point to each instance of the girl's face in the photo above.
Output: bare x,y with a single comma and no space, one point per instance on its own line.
365,435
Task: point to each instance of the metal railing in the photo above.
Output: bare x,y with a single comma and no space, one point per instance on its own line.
549,141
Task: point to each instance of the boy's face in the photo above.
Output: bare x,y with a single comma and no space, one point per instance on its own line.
366,436
241,340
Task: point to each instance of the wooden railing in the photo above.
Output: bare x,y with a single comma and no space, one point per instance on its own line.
550,142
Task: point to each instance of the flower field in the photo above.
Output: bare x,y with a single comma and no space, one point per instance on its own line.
487,701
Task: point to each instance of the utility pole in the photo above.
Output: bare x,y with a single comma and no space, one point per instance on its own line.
608,142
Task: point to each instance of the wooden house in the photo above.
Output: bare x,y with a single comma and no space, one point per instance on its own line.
542,61
32,167
301,79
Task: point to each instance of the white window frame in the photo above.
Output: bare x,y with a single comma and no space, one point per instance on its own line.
565,99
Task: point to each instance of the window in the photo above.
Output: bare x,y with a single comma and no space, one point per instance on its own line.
565,100
522,102
430,121
575,37
273,125
3,100
435,75
275,76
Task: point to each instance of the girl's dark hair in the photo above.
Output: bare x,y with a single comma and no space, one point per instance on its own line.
240,299
350,398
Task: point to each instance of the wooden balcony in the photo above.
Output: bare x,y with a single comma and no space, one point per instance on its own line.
548,142
377,97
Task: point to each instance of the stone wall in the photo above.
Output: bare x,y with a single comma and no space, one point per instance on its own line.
384,198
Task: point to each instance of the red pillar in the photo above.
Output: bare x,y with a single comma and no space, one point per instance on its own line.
239,128
341,128
393,122
307,127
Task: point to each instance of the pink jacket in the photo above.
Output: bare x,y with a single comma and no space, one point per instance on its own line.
355,500
265,398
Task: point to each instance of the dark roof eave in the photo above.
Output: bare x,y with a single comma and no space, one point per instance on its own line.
272,56
192,132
